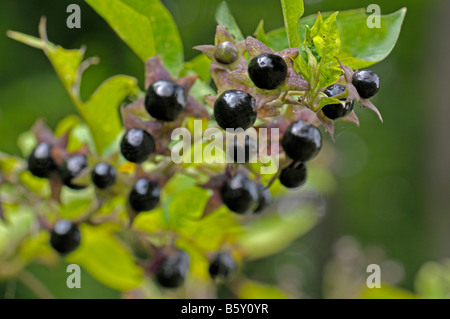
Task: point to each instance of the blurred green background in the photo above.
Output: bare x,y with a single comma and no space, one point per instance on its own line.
393,178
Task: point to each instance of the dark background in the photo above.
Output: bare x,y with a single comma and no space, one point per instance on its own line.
393,178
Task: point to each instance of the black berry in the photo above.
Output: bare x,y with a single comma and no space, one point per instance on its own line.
366,82
301,141
240,194
265,198
65,236
165,100
144,195
267,71
222,266
103,175
71,168
172,270
137,145
226,52
235,109
40,162
293,176
244,153
335,111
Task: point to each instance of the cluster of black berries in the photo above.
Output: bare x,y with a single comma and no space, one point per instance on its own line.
235,108
366,83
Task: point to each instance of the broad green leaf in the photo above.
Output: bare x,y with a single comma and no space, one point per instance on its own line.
188,204
225,19
104,257
250,289
433,280
326,38
168,44
273,233
292,12
101,112
386,292
361,45
329,75
133,27
278,39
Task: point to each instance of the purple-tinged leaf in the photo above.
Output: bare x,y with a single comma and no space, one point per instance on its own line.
155,71
223,35
255,47
352,118
327,123
370,106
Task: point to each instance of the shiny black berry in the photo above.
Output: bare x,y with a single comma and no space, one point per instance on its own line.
240,194
265,198
40,162
71,168
65,236
335,111
226,52
165,100
144,195
244,153
366,82
222,266
293,176
103,175
235,109
137,145
172,270
267,71
301,141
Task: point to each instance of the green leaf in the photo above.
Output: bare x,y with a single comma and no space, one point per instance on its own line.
106,259
278,39
168,44
273,233
130,25
362,46
325,100
198,65
329,75
326,38
292,12
189,203
225,19
146,26
101,112
261,34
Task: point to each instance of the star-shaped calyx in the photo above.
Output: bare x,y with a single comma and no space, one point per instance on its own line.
227,53
293,81
135,115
